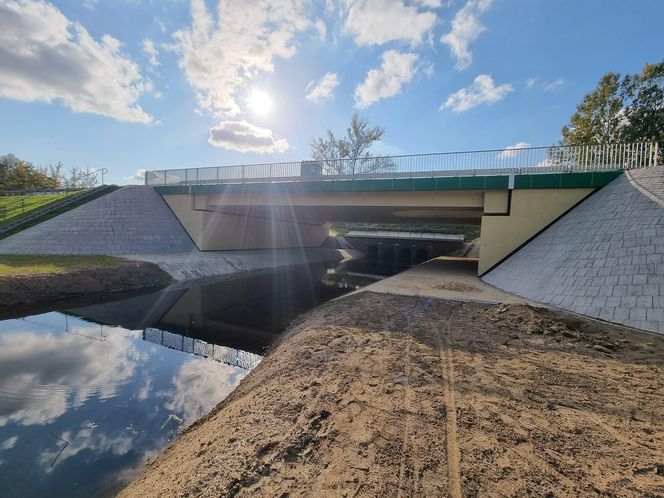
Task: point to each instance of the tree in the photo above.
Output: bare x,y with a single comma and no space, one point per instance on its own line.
350,154
599,118
55,171
17,174
644,110
621,109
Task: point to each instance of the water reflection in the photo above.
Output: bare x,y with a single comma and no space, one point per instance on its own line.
87,395
109,398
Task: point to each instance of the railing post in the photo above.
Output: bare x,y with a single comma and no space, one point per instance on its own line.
656,145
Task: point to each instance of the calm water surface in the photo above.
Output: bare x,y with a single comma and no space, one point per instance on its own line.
88,395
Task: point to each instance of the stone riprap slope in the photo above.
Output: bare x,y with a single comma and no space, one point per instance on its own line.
603,259
131,220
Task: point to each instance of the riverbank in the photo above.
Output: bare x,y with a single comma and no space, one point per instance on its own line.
212,265
42,283
37,284
377,394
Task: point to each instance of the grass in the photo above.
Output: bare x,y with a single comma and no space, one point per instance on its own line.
15,208
20,264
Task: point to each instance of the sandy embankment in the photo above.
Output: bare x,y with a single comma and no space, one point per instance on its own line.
387,395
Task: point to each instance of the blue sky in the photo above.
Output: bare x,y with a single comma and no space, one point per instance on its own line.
151,84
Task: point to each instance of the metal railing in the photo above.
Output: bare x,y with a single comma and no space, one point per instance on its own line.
93,174
486,162
223,354
405,235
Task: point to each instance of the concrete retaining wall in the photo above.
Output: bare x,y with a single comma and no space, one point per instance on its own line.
604,259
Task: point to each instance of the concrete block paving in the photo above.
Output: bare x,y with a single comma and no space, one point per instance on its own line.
604,259
131,220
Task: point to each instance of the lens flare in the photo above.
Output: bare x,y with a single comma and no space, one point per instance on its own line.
259,102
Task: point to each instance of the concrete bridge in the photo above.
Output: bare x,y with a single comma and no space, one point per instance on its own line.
403,248
511,195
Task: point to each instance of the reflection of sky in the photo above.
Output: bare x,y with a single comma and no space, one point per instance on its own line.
115,398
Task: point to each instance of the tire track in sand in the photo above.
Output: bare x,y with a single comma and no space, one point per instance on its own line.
447,372
407,442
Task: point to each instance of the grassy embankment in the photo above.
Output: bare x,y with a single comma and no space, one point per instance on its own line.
19,264
15,208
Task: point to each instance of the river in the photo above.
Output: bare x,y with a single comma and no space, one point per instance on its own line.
89,395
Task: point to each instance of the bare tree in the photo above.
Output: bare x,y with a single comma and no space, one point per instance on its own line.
88,178
55,171
350,154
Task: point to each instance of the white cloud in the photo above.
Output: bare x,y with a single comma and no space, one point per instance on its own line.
245,137
323,89
46,57
8,444
138,177
148,47
397,69
432,4
466,28
375,22
381,148
511,150
219,57
86,439
481,91
199,386
321,28
56,372
555,85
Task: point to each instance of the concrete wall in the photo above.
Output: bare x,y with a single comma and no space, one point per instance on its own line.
261,220
530,211
604,259
215,231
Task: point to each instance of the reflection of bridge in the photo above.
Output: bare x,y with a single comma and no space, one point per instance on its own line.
510,194
232,321
223,354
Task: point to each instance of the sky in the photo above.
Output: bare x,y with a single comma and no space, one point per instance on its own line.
134,85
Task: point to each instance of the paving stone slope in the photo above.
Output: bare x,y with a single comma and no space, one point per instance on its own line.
603,259
131,220
650,180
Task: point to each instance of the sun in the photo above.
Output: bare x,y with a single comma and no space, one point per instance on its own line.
259,102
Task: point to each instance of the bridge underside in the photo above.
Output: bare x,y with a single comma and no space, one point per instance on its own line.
259,216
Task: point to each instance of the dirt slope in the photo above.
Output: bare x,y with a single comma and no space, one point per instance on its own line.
383,395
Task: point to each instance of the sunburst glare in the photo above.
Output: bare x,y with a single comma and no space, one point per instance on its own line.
259,102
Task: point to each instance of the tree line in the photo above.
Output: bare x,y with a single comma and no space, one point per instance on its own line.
18,174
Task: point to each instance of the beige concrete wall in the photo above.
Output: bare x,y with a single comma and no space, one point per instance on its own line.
530,212
214,231
182,207
496,201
